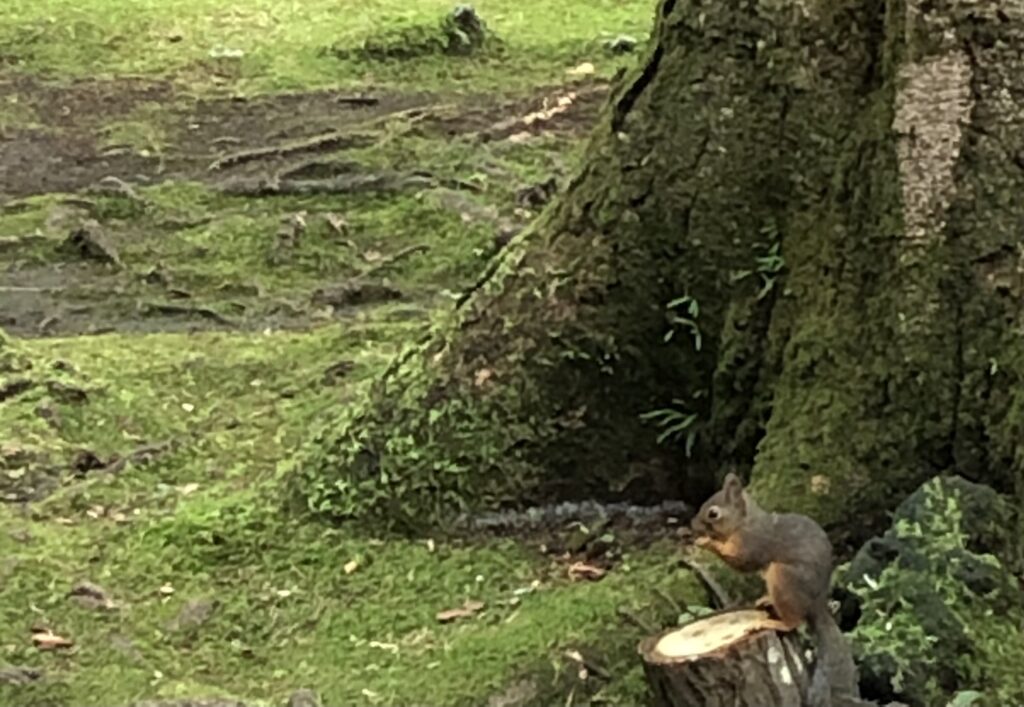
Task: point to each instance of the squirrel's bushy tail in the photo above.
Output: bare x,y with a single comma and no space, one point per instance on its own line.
834,670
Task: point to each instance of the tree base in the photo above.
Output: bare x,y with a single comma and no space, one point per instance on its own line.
726,659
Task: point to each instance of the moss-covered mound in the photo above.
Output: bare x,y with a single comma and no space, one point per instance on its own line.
460,33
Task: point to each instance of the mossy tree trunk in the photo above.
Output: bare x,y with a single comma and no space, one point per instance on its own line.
823,201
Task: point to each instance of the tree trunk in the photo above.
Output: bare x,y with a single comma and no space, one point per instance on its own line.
724,660
820,202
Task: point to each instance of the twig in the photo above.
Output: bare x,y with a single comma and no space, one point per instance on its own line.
145,452
635,620
392,259
16,288
672,603
356,100
120,187
719,597
347,184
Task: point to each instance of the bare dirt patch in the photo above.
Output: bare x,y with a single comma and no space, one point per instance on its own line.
69,147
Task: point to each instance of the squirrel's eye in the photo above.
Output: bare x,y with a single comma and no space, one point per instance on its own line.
714,513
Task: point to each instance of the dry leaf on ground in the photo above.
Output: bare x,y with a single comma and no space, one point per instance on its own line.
48,641
467,610
581,570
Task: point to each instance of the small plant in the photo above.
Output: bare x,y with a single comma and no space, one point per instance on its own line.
682,316
675,423
768,262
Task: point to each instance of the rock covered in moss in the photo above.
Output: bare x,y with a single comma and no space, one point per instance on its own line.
461,33
940,610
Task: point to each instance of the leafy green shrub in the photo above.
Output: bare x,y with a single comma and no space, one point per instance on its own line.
939,609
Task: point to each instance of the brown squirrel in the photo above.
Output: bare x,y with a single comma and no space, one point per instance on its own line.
794,556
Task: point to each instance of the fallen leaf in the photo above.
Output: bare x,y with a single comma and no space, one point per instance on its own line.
820,484
49,641
188,489
581,570
482,376
166,590
389,647
338,224
351,566
534,585
465,611
188,407
584,69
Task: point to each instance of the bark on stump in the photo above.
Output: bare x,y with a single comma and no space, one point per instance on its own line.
726,659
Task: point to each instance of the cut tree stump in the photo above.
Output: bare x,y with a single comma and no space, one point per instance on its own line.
725,659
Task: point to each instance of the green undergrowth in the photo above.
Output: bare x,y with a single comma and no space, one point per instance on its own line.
278,44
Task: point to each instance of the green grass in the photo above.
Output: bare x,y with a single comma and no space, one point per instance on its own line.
280,42
232,246
207,519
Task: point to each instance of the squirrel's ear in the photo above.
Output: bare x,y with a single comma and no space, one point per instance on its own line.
733,488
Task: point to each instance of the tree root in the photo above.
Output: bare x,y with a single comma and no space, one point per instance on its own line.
148,308
327,141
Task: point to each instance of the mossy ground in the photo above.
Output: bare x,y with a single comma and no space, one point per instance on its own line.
224,388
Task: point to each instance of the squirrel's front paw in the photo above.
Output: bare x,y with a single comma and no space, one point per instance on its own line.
764,602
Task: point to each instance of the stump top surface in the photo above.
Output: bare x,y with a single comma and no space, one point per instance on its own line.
706,636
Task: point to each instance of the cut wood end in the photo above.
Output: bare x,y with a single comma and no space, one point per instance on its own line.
709,635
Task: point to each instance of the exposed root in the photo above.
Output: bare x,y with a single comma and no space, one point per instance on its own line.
328,141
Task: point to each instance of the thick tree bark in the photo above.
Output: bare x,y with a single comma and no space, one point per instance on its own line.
836,185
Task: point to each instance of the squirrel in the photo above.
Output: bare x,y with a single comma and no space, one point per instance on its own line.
794,555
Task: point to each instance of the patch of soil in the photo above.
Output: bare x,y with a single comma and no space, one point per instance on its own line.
66,150
62,153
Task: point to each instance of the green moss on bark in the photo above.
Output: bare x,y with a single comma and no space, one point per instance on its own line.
535,386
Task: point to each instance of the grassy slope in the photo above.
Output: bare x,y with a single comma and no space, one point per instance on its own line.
281,40
206,518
